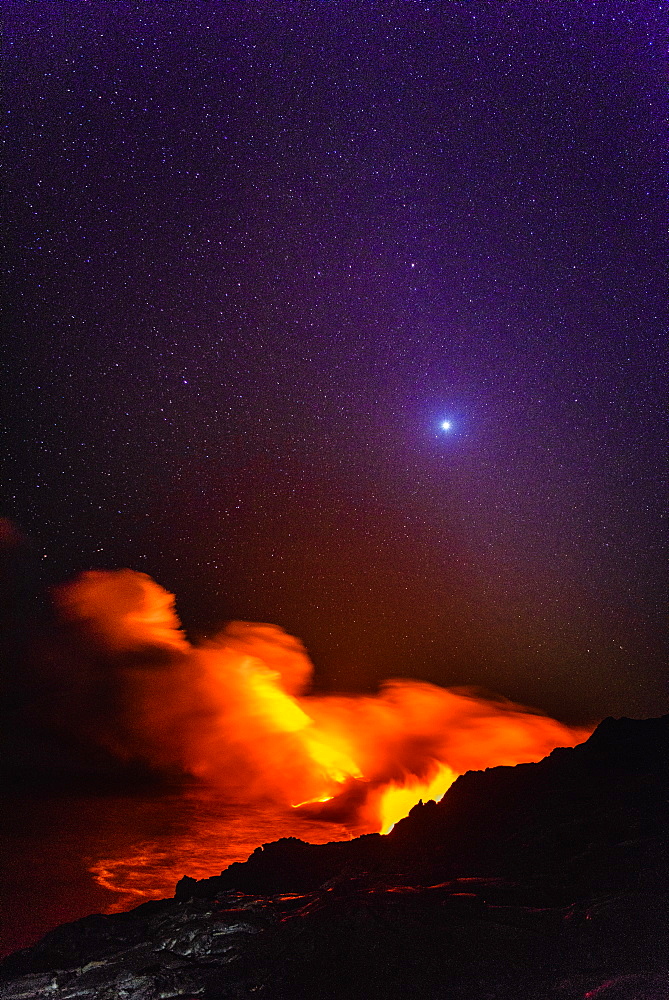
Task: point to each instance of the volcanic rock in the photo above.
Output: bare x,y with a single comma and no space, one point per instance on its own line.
547,881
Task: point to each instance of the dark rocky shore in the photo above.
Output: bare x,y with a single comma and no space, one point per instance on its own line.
544,881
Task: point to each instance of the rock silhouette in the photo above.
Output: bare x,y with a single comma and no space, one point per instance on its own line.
547,881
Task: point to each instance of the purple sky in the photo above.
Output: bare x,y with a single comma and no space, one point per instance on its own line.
261,251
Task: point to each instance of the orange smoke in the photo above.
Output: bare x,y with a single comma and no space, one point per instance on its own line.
235,713
125,609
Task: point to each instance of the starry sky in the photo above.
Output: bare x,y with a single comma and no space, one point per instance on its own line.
260,252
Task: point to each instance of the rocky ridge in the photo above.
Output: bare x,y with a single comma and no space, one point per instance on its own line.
546,880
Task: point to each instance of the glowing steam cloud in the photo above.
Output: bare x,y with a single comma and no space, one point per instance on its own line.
236,713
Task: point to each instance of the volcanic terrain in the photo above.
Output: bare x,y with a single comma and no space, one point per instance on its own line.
547,881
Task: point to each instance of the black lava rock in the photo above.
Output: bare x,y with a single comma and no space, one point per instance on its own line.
547,881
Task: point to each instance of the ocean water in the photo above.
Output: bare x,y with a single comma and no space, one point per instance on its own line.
65,856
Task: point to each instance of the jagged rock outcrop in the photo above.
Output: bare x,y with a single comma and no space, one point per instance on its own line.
546,880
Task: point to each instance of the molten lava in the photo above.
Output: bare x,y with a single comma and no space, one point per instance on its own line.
397,800
235,713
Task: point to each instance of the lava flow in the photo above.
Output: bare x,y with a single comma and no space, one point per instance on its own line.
235,712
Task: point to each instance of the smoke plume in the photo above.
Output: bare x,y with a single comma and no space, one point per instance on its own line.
235,712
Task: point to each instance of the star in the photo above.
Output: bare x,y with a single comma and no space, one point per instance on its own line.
446,425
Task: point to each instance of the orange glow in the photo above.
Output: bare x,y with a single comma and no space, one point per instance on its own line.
235,713
397,800
311,802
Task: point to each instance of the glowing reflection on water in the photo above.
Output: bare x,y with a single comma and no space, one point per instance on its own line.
194,833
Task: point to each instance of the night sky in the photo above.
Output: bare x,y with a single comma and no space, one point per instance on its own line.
261,251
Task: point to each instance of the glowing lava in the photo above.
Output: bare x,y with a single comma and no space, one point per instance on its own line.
398,800
235,713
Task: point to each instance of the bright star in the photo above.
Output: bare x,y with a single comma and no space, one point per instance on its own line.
446,425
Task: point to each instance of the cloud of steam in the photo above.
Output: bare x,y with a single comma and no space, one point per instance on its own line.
235,711
126,610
